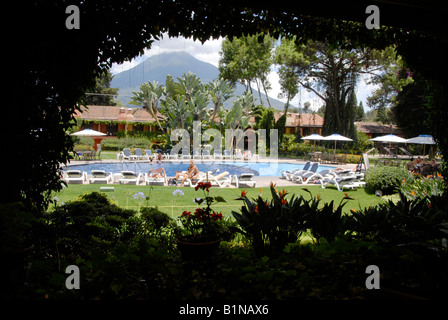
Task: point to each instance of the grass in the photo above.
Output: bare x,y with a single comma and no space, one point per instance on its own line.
163,198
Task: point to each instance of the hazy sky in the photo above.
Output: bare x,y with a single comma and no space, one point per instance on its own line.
209,52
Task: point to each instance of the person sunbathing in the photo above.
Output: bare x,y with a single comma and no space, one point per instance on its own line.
157,173
192,173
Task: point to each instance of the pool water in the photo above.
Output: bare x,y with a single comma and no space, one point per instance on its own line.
262,169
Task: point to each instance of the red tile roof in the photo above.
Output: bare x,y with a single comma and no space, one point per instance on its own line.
116,113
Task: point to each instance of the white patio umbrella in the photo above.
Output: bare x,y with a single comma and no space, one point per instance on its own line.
423,139
88,133
314,137
337,137
389,138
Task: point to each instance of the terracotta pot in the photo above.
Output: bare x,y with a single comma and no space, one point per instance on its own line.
191,249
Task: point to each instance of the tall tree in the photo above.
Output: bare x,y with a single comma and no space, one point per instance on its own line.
102,94
285,56
410,109
247,59
332,74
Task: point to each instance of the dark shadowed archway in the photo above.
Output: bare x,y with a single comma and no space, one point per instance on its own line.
58,65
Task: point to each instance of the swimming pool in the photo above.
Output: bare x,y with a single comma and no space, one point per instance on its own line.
262,169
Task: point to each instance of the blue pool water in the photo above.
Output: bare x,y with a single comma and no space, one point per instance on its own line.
262,169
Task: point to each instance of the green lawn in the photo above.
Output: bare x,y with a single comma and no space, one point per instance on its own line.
163,198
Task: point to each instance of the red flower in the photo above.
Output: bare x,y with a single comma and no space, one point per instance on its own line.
216,216
186,214
203,185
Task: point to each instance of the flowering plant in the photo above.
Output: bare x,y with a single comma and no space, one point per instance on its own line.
204,223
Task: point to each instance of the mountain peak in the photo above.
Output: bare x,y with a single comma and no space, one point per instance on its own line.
157,67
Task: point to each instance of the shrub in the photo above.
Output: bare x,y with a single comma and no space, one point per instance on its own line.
76,227
420,187
129,142
384,178
272,225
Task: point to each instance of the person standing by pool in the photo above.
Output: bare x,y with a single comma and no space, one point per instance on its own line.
192,173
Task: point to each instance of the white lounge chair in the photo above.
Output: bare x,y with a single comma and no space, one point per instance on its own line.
148,154
185,155
153,180
221,180
128,155
238,155
309,177
75,176
227,155
245,178
139,154
345,179
297,175
171,155
131,176
197,154
206,155
285,174
100,176
217,155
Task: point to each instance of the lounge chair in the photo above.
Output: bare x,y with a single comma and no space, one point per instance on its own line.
346,179
227,155
197,154
100,176
238,155
149,155
221,180
296,176
245,178
217,155
309,177
131,176
171,155
75,176
158,177
206,155
139,154
128,155
185,155
285,174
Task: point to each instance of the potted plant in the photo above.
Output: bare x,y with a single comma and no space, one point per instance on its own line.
203,226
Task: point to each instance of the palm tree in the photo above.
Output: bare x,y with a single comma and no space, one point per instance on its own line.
148,98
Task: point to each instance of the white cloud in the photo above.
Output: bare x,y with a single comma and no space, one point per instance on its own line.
208,52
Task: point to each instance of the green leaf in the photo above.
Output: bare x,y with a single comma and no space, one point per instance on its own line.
219,199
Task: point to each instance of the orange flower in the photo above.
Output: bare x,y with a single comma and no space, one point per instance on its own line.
318,197
256,209
261,192
272,184
413,193
353,210
428,204
243,193
284,202
283,193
